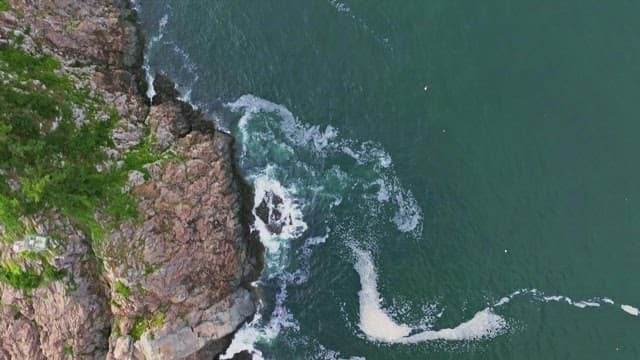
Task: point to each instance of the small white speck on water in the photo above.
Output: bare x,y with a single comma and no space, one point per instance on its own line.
444,130
506,251
426,87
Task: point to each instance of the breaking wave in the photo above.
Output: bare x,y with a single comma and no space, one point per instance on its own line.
146,65
540,296
298,169
188,70
378,325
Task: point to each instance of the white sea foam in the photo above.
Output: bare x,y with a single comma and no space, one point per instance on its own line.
579,304
379,326
340,6
296,132
409,215
245,340
281,317
368,153
539,295
383,191
374,321
311,242
484,324
327,354
189,68
343,8
162,24
503,301
289,209
300,183
323,143
275,244
584,304
630,310
553,298
266,128
257,330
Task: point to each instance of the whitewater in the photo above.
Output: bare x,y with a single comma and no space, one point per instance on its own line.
269,131
304,166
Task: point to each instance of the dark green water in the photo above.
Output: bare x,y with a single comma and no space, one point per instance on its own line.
525,141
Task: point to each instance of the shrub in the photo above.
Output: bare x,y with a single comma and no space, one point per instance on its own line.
139,327
122,289
29,279
53,158
4,6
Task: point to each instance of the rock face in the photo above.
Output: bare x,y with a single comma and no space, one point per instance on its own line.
188,259
216,323
170,284
72,314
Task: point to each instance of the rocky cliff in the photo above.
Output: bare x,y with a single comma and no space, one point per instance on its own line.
153,263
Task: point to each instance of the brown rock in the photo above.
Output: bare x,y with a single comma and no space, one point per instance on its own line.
188,258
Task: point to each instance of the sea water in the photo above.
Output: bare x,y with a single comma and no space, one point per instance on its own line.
459,179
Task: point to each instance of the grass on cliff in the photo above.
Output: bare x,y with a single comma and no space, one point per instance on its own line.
50,156
122,289
4,5
28,279
140,326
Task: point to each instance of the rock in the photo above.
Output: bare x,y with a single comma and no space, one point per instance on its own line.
193,235
136,178
243,355
181,271
71,313
224,318
270,212
122,347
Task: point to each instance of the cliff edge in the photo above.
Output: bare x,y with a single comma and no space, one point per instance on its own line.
124,223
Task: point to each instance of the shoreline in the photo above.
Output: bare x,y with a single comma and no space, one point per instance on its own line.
173,282
168,92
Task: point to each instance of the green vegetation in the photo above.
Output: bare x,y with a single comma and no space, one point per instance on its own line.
139,327
116,329
42,148
48,157
158,320
142,324
122,289
149,268
28,279
4,6
68,350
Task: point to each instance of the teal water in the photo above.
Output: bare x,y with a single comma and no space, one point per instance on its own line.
514,171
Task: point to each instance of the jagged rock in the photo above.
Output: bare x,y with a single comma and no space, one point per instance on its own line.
270,212
71,313
189,257
192,237
218,321
122,348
